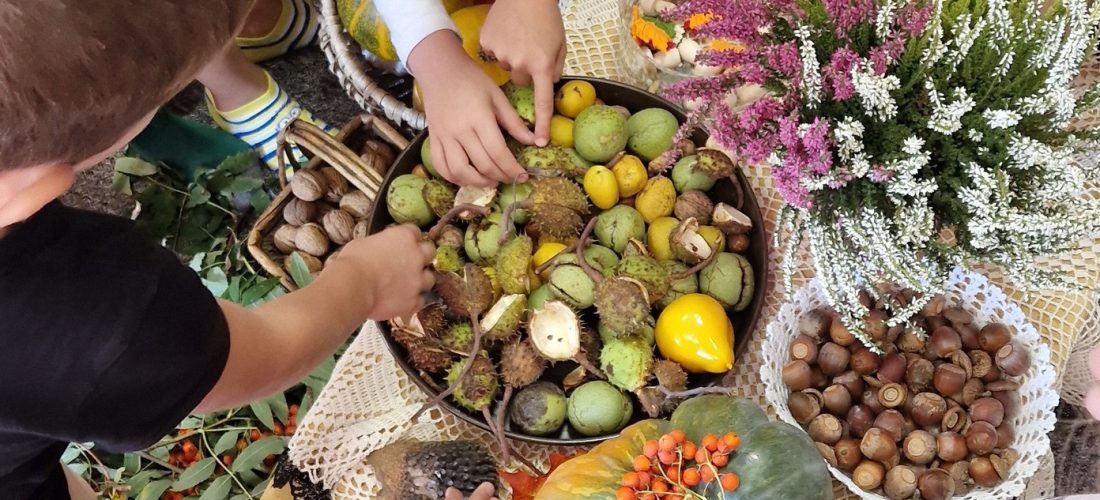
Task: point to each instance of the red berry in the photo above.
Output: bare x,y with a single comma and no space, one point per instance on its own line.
689,450
679,436
710,442
702,456
630,480
731,440
730,481
690,477
719,459
278,429
667,457
255,435
707,474
673,473
667,443
625,493
641,463
643,480
650,449
649,496
659,486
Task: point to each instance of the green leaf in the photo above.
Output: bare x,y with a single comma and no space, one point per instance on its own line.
139,480
242,185
262,410
255,453
299,271
260,488
70,454
219,489
131,462
249,478
234,292
120,183
198,196
160,452
198,472
258,291
191,422
278,406
305,405
134,166
216,281
154,490
260,201
226,442
78,468
240,497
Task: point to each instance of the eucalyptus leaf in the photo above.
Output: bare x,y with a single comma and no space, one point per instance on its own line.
219,489
279,408
299,271
262,410
120,183
71,453
198,472
134,166
260,488
154,490
131,462
78,468
198,196
254,454
258,290
227,441
191,422
305,405
138,481
242,185
216,281
161,452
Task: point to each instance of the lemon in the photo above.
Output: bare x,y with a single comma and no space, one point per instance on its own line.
658,237
574,97
545,252
601,186
631,175
695,332
561,131
714,236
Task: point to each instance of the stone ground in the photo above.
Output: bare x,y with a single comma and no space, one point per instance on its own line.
305,75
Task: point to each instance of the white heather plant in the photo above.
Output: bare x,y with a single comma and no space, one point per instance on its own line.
910,136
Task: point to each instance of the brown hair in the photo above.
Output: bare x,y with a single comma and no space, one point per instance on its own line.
75,75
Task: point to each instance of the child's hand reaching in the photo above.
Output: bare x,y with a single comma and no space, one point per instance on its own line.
393,264
527,38
483,492
464,108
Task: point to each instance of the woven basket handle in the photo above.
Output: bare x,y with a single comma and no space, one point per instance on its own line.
311,138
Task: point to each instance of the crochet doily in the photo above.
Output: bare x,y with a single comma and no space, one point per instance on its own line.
988,304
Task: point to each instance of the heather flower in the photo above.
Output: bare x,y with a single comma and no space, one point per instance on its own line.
784,59
837,75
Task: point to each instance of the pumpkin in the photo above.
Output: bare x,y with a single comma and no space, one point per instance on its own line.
365,25
775,460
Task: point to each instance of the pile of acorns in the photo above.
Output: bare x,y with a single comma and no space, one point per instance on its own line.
325,213
933,414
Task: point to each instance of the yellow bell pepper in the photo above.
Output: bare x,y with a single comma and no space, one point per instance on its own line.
695,332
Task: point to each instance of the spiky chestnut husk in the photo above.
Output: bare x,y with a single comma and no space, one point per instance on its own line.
622,306
647,333
549,159
555,222
432,319
451,236
670,375
428,469
559,191
513,263
635,248
573,286
448,259
405,335
520,364
555,331
603,259
627,362
480,387
482,239
514,193
429,355
440,196
466,295
503,320
475,195
459,338
649,273
678,288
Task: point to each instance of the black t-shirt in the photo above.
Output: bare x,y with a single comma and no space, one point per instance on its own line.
104,337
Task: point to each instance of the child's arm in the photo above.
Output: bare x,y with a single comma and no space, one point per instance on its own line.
276,344
528,39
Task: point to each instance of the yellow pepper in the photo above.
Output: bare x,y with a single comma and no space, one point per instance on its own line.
695,332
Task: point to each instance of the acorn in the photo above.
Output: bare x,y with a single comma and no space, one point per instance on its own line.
949,379
945,340
852,382
957,315
981,438
840,334
804,347
987,410
837,399
868,475
832,358
848,455
796,375
919,447
893,422
901,483
928,409
993,337
860,420
951,446
893,395
876,324
982,472
826,428
308,185
804,407
936,484
934,306
969,335
815,323
891,368
864,361
910,341
1013,359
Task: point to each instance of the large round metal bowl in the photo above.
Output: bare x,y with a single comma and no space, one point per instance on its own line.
744,322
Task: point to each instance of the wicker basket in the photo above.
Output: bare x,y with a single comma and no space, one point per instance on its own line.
324,150
369,86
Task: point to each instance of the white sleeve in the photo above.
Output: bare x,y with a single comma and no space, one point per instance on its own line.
410,21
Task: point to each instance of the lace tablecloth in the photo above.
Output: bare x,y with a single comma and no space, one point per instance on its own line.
369,402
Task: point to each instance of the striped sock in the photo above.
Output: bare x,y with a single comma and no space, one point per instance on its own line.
297,27
259,122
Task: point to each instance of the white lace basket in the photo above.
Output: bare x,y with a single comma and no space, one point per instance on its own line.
988,304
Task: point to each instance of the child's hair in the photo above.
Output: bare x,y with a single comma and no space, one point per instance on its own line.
75,75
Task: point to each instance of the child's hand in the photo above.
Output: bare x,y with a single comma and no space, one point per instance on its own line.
464,108
1092,399
483,492
393,265
527,38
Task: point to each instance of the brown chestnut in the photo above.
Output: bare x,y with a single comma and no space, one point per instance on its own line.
840,334
804,347
864,362
931,323
866,300
969,336
901,483
878,444
981,362
993,375
910,341
936,484
1013,360
869,475
981,438
928,409
894,333
919,374
851,381
797,375
876,324
818,380
955,420
949,379
827,452
892,395
1010,401
860,419
987,410
832,358
919,447
1006,434
892,368
815,323
871,401
973,388
826,428
982,472
959,471
848,455
893,422
945,340
962,360
951,446
934,306
957,316
837,399
993,337
803,407
1003,462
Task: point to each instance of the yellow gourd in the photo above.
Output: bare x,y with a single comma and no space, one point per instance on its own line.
695,332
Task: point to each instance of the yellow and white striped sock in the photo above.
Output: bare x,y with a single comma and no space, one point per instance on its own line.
297,27
259,122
